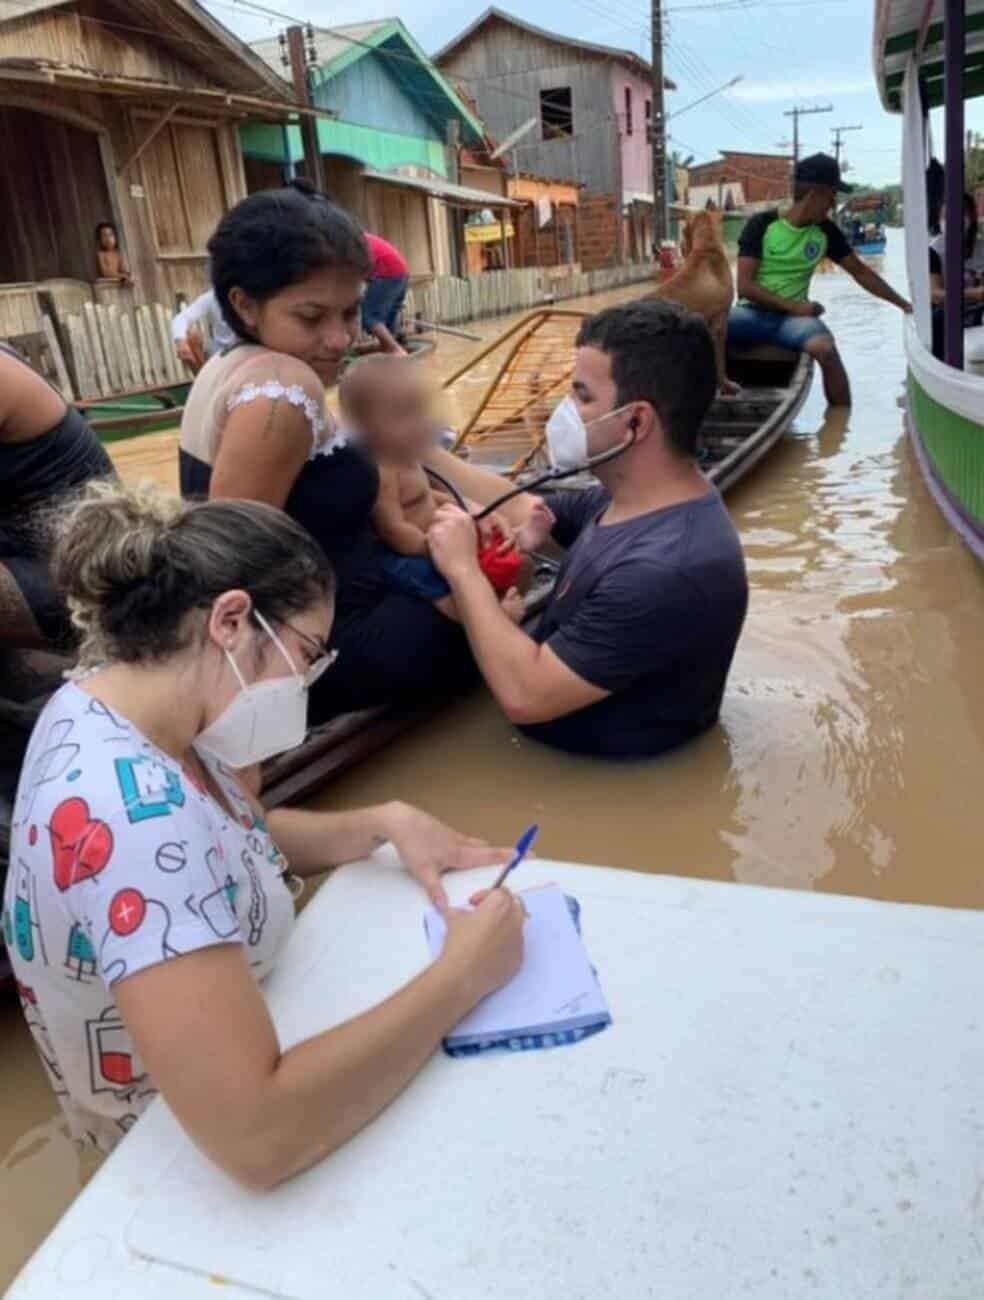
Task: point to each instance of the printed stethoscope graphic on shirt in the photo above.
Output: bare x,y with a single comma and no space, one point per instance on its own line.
130,911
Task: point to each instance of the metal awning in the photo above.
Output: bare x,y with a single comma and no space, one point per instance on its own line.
153,93
461,196
899,28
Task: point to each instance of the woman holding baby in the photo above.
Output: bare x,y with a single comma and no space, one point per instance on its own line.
288,268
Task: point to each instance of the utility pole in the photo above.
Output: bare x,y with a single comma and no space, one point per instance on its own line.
657,130
297,59
837,132
796,114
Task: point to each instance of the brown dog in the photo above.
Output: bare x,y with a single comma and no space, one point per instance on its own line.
704,284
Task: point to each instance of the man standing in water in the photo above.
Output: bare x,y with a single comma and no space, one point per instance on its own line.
777,255
631,655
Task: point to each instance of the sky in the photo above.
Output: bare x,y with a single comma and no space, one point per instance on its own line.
787,52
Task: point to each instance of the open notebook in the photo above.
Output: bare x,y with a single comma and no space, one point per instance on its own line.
554,998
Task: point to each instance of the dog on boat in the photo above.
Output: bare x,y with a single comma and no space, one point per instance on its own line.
704,284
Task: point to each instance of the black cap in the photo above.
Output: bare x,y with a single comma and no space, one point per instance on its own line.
821,169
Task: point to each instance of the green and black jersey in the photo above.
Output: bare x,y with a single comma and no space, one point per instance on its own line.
788,255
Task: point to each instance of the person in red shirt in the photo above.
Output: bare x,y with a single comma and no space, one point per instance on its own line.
385,292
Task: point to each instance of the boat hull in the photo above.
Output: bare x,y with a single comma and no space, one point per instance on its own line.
949,451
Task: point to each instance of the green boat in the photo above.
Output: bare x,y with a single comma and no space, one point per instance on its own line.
130,414
931,55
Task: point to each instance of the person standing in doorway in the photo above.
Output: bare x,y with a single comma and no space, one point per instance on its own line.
109,259
385,293
777,255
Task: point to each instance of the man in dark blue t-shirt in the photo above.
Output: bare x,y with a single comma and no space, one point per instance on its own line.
632,653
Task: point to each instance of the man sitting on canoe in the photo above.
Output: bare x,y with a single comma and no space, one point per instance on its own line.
631,654
777,255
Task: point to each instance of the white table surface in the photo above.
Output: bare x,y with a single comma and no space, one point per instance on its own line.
789,1104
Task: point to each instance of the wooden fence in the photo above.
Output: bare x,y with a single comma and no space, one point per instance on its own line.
113,350
102,350
448,300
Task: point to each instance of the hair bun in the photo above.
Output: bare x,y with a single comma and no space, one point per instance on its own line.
111,539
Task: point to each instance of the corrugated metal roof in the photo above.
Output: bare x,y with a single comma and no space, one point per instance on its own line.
442,189
898,30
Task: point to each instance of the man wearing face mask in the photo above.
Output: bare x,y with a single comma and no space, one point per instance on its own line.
631,656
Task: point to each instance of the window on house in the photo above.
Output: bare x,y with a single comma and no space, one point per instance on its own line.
649,120
556,113
628,110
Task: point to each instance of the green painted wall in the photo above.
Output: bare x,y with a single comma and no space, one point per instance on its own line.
378,150
955,447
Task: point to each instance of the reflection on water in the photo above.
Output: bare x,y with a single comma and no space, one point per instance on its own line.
850,748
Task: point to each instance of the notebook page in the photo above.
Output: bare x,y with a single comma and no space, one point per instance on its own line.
554,987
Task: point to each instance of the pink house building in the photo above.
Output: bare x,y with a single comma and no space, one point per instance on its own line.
579,111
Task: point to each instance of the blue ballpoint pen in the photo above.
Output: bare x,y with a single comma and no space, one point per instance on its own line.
523,846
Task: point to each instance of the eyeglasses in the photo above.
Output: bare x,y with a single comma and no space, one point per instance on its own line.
325,656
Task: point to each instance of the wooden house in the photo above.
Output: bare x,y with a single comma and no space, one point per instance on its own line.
391,144
586,108
124,111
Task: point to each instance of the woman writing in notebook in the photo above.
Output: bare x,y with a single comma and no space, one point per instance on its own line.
150,893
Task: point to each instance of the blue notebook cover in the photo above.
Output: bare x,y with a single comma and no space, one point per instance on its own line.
553,1000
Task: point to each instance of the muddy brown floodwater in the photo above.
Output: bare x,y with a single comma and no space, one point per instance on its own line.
850,749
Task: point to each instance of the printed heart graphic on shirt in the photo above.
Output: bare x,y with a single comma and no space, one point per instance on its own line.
80,845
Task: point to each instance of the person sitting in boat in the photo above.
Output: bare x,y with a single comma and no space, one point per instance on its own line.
189,340
386,406
288,270
632,652
109,259
152,894
47,452
973,272
777,255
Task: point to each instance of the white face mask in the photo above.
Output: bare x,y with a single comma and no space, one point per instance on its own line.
567,434
264,719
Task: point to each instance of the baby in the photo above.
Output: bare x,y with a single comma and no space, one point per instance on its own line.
386,402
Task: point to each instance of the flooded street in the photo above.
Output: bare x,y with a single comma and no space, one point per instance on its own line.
850,752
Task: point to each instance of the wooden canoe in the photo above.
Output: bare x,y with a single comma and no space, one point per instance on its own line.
506,432
530,369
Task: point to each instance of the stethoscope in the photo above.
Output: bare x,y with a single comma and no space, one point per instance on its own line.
553,475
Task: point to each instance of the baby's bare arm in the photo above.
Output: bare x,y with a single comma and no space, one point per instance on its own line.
389,518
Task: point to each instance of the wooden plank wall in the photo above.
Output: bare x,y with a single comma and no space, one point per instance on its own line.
401,216
70,146
505,69
78,35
